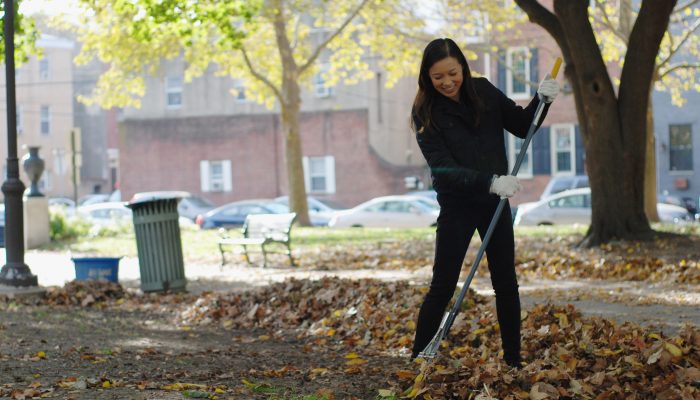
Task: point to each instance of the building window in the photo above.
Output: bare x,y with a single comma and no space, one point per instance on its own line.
45,181
681,147
45,120
319,174
518,71
44,68
19,121
173,91
215,175
320,88
563,149
514,145
59,161
239,91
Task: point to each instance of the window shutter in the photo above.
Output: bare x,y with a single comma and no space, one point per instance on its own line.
541,152
307,178
580,151
534,73
204,175
501,70
226,167
330,174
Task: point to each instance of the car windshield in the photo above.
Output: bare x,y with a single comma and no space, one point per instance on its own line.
277,208
199,202
428,205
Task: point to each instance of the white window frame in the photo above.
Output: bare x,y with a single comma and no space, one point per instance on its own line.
320,88
44,66
328,174
481,28
555,150
44,183
210,183
509,73
513,155
487,66
19,120
45,119
59,161
173,85
239,91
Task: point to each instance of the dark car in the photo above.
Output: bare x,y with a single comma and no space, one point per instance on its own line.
234,214
320,211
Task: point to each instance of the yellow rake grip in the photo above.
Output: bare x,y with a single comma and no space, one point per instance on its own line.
555,68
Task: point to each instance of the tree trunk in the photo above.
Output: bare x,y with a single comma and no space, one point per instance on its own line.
295,168
650,169
291,107
613,128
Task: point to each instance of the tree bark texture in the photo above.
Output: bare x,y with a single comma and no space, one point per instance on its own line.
613,127
290,104
650,168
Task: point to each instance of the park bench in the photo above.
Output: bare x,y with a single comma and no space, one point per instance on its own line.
263,232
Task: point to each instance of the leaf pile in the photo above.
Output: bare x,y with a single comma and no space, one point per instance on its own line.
354,311
84,293
567,357
388,254
660,260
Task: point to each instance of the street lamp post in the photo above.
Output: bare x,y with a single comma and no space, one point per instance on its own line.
15,272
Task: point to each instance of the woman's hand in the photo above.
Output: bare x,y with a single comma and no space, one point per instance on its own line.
505,186
549,89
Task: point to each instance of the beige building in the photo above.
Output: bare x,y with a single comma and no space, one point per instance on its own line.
44,95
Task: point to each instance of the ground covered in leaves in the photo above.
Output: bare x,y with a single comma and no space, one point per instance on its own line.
331,338
338,338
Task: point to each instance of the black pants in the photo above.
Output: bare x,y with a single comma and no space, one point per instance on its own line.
455,226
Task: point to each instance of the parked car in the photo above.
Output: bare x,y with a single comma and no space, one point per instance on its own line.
93,199
64,204
320,211
399,211
685,202
234,214
574,207
431,194
560,183
190,205
106,213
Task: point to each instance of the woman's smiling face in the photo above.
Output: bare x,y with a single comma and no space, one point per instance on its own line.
446,76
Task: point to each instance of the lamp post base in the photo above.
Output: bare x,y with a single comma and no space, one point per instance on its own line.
17,274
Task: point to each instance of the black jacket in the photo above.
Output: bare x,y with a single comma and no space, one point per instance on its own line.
463,158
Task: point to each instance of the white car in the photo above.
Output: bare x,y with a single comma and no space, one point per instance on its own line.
106,213
574,207
389,212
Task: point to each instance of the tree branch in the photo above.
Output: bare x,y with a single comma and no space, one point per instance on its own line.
260,76
680,66
541,16
607,22
337,32
675,48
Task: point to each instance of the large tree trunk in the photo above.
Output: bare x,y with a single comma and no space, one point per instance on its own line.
613,128
291,106
650,168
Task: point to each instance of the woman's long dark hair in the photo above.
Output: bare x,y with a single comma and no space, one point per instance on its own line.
435,51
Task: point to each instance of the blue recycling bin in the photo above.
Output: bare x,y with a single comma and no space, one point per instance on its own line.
97,268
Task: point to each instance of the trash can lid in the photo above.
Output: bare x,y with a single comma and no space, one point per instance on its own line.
147,197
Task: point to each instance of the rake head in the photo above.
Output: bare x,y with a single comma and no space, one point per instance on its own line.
430,351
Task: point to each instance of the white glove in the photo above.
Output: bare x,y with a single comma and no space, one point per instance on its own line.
505,186
549,89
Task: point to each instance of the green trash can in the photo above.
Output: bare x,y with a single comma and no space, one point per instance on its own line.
159,244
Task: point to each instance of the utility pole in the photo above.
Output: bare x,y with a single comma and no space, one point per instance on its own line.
15,272
74,150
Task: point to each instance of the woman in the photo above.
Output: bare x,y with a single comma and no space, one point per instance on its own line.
459,123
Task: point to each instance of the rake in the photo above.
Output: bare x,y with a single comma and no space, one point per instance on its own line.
448,319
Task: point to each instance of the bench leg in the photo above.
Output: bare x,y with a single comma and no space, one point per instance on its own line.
264,256
289,253
223,258
245,253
